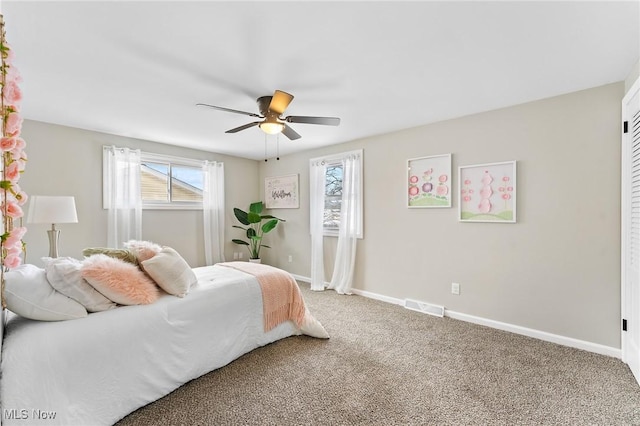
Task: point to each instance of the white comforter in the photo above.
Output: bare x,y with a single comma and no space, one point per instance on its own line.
98,369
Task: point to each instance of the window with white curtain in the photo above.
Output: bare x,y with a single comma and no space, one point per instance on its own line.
332,198
168,182
142,180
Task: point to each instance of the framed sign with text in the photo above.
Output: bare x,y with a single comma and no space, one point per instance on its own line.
282,192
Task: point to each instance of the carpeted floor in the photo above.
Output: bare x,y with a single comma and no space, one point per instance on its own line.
386,365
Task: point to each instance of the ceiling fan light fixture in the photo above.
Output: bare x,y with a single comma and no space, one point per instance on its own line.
271,110
271,127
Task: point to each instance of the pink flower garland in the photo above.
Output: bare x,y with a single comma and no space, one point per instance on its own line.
14,160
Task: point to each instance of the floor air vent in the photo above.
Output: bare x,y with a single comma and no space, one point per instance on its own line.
423,307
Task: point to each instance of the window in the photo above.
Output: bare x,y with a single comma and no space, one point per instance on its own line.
168,182
333,180
332,197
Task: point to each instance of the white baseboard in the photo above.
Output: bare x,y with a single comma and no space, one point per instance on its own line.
537,334
301,278
380,297
529,332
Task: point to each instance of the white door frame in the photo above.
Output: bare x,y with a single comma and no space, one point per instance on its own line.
630,268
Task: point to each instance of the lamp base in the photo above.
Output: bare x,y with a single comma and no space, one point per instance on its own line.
54,236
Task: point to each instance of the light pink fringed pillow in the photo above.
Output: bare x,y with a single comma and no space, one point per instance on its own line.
119,281
143,250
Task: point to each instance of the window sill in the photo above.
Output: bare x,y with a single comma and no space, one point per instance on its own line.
171,207
335,234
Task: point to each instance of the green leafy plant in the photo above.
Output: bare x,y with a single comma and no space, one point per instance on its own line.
255,226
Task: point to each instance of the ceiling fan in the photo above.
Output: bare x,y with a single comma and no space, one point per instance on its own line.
271,109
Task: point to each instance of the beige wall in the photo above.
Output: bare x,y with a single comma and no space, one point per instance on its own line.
556,270
68,161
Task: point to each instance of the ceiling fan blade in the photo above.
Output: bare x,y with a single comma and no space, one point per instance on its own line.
280,101
290,133
327,121
250,114
246,126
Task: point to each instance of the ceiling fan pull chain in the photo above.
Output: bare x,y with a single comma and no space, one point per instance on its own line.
278,147
265,147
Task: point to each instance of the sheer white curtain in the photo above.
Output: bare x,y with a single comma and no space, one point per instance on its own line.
124,199
213,211
342,278
317,170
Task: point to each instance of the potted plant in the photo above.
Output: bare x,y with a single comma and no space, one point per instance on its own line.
254,228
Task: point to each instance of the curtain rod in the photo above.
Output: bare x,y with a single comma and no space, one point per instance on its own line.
339,156
163,156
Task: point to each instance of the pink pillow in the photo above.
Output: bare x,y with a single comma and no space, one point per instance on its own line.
119,281
143,250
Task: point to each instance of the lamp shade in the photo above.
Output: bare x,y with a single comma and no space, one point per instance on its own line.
50,209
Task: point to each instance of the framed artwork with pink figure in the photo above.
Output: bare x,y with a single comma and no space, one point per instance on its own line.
429,182
487,192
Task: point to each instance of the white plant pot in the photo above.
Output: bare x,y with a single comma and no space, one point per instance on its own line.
255,260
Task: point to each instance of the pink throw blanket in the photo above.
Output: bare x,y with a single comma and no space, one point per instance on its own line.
281,297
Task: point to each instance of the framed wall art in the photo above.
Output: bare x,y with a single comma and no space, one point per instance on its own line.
282,192
429,182
487,193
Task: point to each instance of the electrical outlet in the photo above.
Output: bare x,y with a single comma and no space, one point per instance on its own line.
290,258
235,255
455,288
240,255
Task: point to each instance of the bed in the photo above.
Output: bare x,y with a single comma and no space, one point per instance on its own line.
96,370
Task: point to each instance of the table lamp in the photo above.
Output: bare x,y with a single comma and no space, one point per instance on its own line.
50,209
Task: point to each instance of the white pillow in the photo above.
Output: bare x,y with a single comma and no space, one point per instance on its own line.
170,271
29,294
312,327
64,275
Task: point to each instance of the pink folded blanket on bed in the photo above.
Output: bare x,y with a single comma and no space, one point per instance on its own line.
281,297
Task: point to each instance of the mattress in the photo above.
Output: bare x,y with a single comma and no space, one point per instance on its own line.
98,369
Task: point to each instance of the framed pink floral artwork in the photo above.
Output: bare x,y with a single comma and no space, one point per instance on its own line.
429,181
487,193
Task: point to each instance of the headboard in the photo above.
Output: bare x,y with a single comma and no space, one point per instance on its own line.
2,321
3,318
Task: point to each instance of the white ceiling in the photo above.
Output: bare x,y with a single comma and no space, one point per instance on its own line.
138,68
